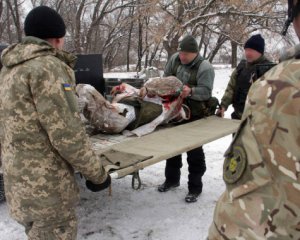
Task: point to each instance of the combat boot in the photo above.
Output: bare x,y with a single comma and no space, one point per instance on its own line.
166,186
192,197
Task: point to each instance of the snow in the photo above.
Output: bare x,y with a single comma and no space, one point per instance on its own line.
146,214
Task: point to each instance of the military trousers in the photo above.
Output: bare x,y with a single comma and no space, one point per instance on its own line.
61,228
197,168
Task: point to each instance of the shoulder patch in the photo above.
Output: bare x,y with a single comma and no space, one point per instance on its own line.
67,87
235,164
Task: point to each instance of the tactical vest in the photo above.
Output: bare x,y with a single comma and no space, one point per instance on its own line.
199,109
193,71
246,75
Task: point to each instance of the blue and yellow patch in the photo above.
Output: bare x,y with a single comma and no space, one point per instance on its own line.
67,87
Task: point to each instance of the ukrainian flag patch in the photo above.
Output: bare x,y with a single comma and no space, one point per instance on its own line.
67,87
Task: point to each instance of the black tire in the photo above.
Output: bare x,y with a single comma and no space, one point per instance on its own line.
2,193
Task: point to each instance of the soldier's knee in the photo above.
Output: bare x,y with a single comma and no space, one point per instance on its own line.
58,229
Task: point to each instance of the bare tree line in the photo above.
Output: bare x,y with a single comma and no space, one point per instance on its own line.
146,32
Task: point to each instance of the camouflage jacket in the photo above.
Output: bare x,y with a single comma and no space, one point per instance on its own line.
262,165
229,95
43,137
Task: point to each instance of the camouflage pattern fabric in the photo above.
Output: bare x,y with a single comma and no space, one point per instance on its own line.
262,165
100,113
43,137
167,86
63,228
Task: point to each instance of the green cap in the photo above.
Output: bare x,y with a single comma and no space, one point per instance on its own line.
188,44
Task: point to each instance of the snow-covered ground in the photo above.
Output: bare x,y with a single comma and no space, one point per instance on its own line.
147,214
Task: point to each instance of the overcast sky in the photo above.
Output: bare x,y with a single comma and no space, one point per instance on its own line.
27,6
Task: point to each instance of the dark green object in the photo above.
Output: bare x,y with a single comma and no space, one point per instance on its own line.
188,44
202,109
198,109
145,112
261,69
193,69
211,105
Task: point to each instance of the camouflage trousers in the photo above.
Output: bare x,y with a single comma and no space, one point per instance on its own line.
61,228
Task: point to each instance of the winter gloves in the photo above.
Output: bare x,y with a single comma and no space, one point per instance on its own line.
98,187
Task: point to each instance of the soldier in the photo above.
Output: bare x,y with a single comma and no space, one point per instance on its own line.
197,75
262,165
243,76
2,195
44,139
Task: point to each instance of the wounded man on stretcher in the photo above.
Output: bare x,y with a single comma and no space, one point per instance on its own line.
134,111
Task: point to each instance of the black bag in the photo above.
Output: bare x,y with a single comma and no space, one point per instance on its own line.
211,106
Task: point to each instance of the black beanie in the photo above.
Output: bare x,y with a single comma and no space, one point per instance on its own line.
257,43
44,22
188,44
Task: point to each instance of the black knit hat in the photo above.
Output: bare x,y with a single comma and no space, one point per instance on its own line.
44,22
257,43
188,44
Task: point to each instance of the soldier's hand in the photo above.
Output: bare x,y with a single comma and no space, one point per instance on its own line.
220,112
186,91
98,187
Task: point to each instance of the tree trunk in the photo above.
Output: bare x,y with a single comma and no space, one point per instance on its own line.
131,11
153,54
14,10
77,37
234,47
1,24
205,50
221,40
146,19
140,45
10,38
202,38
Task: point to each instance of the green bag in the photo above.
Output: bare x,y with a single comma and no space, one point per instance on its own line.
200,109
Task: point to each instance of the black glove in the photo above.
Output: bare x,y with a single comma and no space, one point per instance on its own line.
98,187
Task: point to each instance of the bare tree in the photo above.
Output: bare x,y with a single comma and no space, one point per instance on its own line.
131,14
147,32
14,10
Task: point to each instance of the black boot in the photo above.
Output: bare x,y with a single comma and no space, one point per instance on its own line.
166,186
192,197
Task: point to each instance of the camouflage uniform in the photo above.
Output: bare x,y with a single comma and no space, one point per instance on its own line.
262,165
44,139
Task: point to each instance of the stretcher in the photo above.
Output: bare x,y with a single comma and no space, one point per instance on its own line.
123,155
